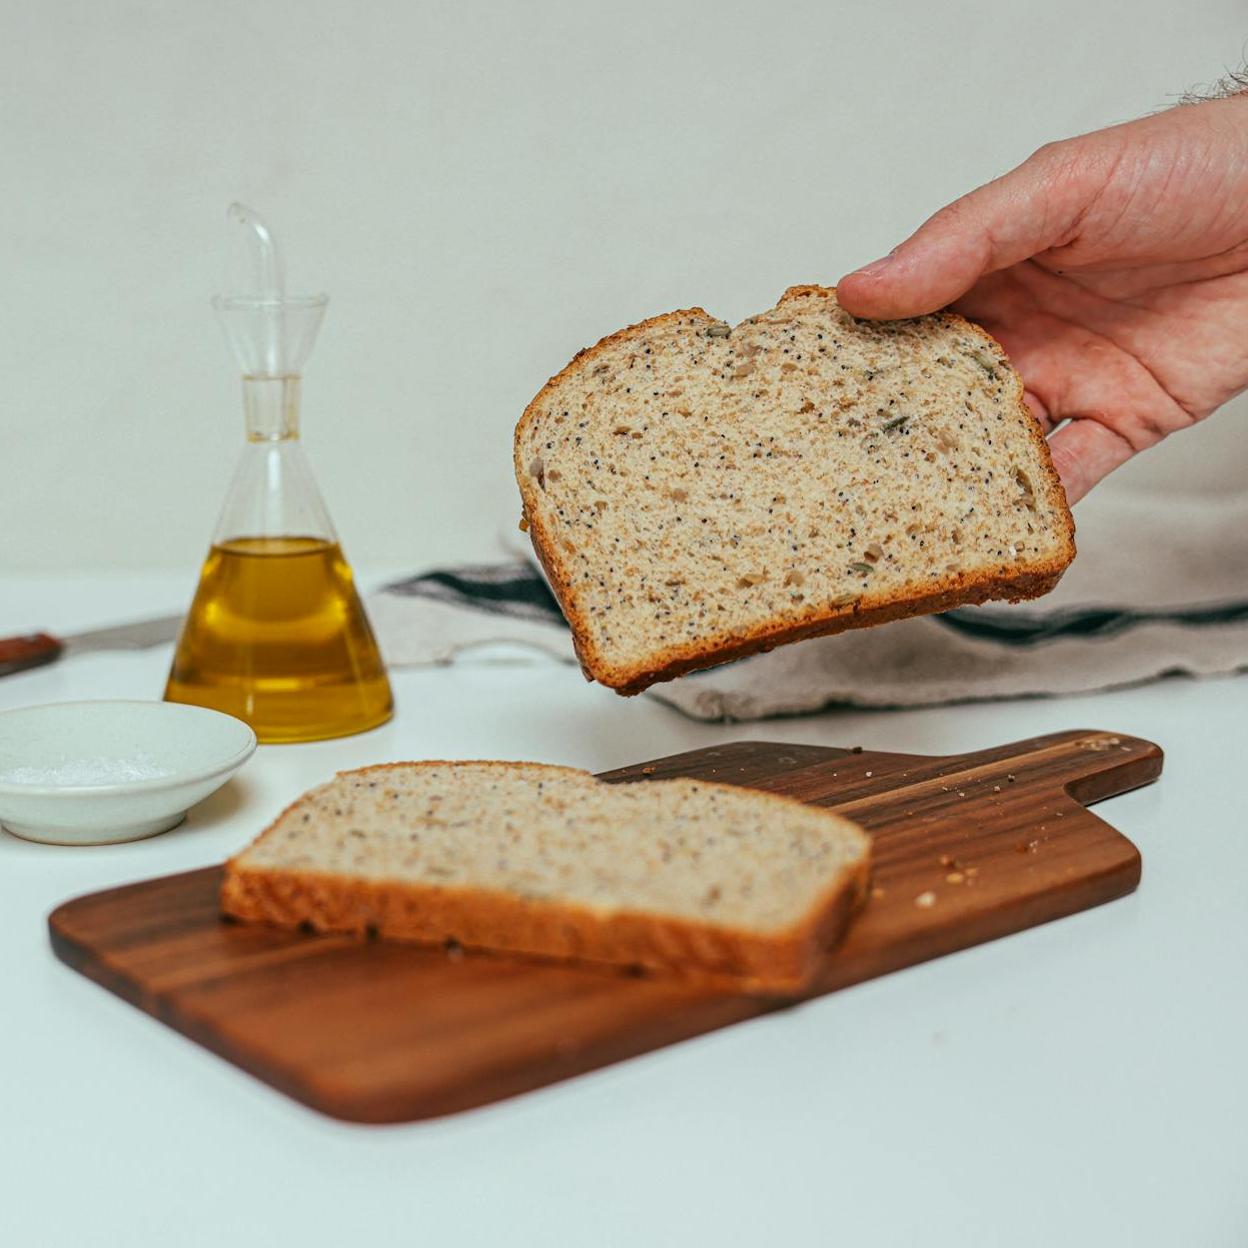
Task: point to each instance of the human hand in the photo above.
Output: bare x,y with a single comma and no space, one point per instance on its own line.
1112,267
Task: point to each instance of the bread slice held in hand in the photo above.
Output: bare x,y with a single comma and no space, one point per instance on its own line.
549,861
697,492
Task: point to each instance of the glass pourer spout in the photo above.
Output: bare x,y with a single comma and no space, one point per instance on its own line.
266,258
276,634
270,333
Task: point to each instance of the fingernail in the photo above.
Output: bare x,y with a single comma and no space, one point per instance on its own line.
876,267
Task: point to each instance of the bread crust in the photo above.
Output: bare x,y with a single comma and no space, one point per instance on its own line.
954,590
772,962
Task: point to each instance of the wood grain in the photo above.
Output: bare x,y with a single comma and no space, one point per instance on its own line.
965,849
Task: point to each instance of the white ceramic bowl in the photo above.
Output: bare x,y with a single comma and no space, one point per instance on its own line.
94,773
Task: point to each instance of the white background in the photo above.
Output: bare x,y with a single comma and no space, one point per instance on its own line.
482,189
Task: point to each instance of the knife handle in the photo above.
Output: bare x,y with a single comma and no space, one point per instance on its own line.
33,650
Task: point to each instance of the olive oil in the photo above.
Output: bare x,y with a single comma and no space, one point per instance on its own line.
277,636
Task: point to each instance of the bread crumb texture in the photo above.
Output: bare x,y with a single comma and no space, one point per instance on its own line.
548,860
697,491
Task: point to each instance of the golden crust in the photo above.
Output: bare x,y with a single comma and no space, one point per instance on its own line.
764,962
957,589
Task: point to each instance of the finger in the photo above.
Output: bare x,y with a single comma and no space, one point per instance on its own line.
1035,405
1072,369
1027,211
1085,452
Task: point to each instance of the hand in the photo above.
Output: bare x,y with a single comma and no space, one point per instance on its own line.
1112,267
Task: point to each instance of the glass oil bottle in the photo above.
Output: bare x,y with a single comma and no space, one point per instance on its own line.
277,635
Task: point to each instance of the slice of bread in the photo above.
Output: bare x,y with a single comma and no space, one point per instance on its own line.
697,492
541,860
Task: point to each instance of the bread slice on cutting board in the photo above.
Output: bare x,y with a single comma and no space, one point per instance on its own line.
532,859
697,491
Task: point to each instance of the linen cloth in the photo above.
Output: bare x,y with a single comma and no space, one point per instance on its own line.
1158,587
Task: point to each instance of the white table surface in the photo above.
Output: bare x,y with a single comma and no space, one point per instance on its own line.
1082,1083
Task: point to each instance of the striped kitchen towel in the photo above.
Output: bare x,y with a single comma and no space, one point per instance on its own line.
1159,587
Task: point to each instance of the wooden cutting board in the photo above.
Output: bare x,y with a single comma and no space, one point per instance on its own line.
966,848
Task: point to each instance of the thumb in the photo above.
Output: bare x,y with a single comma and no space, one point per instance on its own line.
1032,208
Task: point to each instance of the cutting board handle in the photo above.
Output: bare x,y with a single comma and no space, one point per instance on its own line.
32,650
